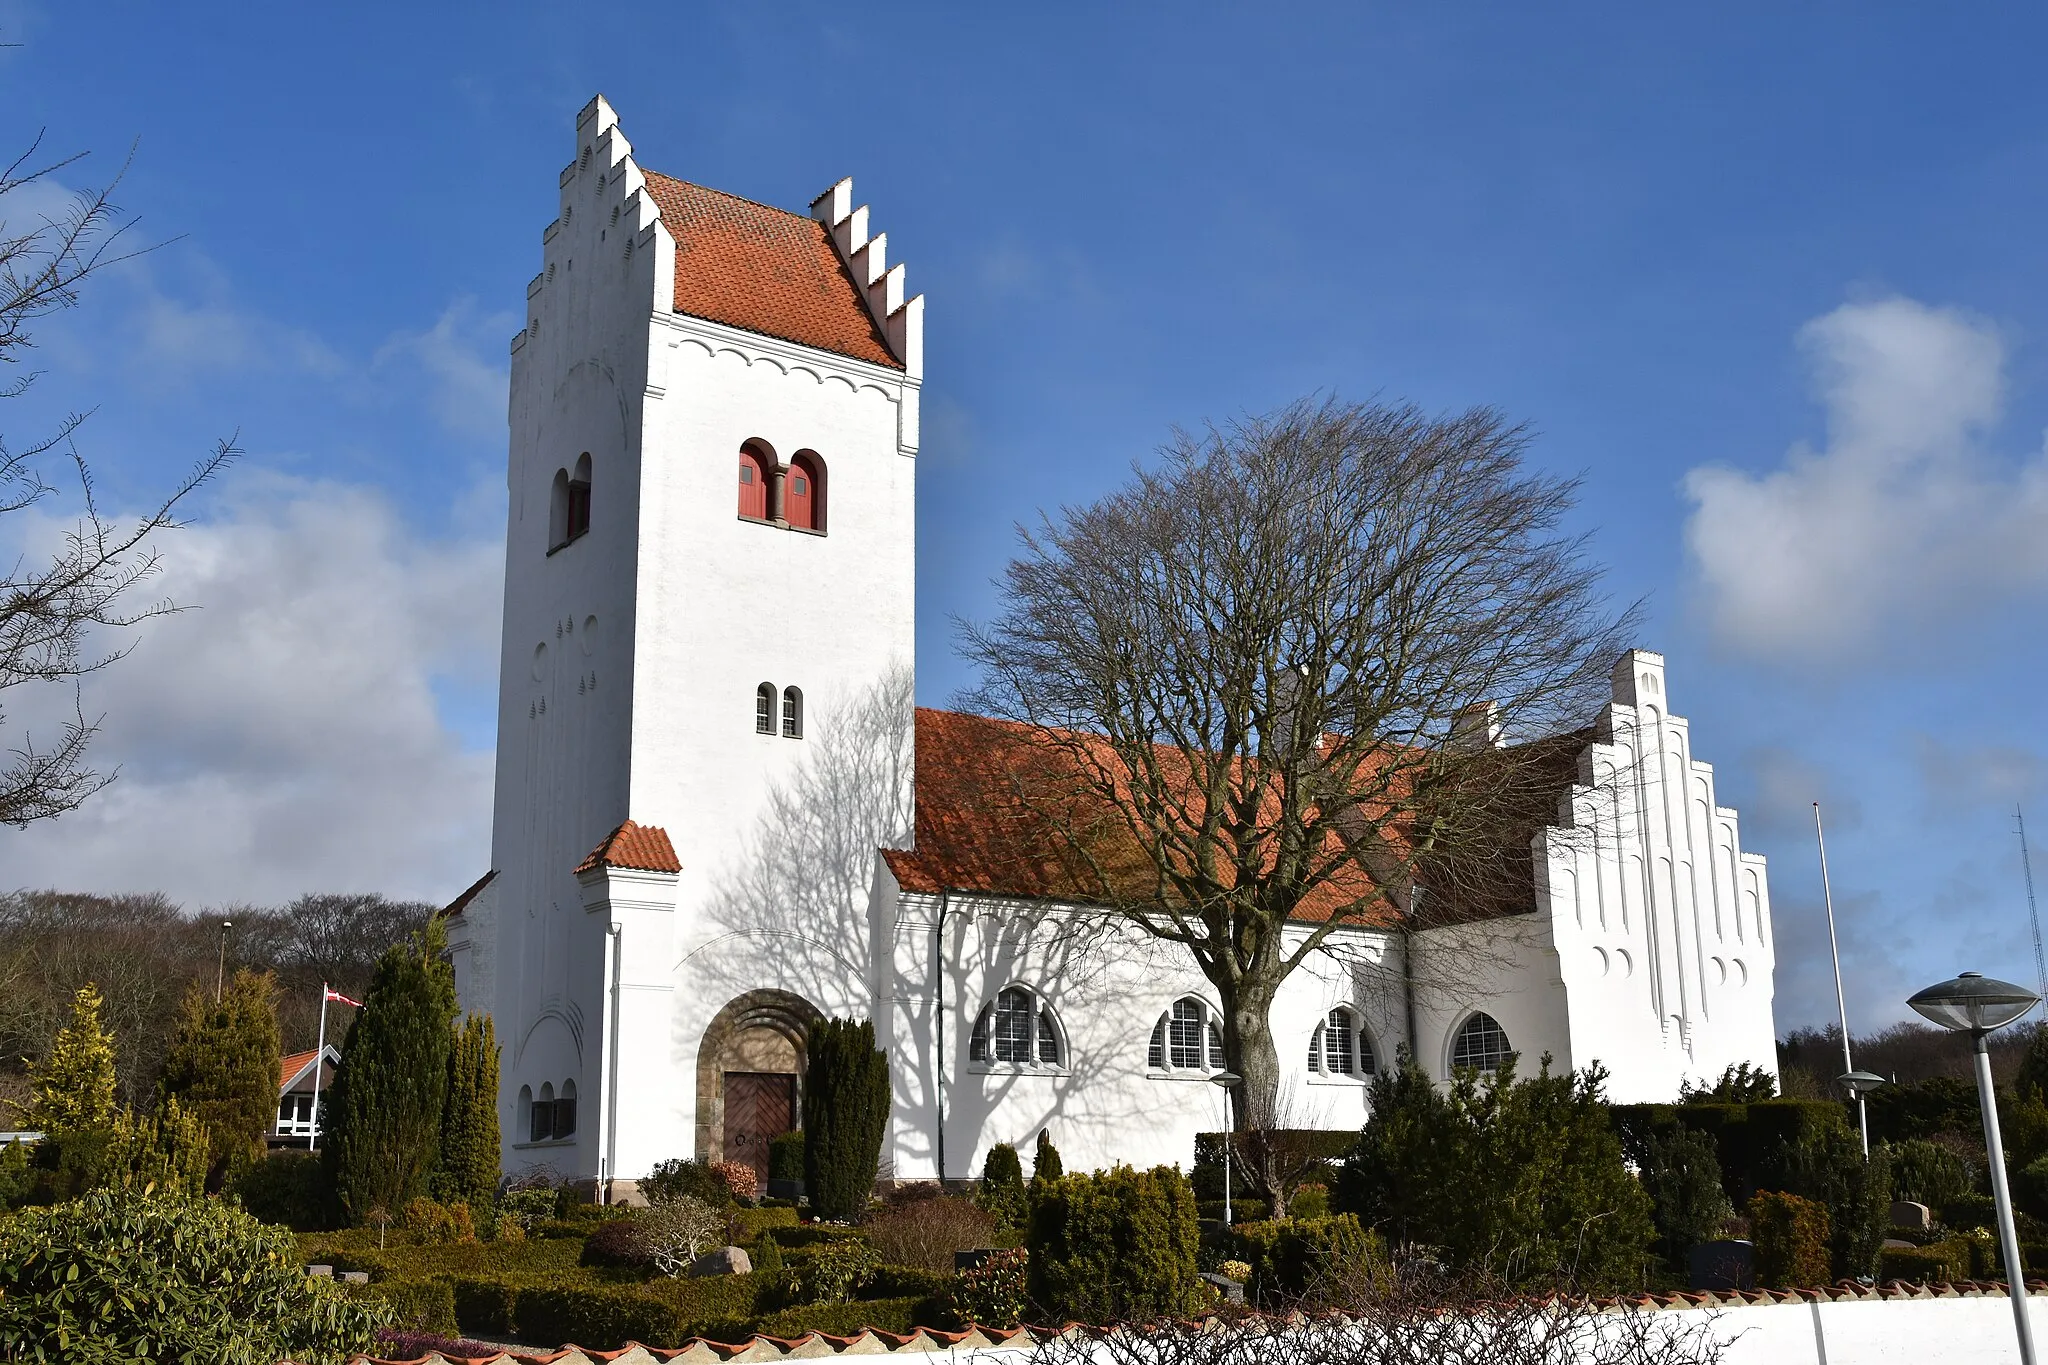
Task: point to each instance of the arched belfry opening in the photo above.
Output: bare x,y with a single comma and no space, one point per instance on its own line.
750,1076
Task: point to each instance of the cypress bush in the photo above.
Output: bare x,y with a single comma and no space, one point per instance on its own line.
222,1065
122,1276
786,1156
1828,1167
1002,1187
1116,1246
287,1188
1791,1239
469,1120
71,1090
1682,1176
846,1111
383,1130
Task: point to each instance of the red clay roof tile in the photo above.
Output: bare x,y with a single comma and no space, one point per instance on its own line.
641,848
764,269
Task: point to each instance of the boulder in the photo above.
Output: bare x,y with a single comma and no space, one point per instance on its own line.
724,1261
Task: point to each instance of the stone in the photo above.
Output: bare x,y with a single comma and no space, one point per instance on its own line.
1230,1289
724,1261
320,1272
1908,1214
355,1277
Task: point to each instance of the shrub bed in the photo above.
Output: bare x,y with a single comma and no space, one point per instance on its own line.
426,1306
848,1319
1118,1245
1290,1256
1937,1263
1791,1239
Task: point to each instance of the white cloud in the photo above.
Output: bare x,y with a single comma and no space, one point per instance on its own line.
285,735
1900,524
468,392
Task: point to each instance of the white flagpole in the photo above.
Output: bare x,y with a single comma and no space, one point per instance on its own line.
319,1065
1841,1002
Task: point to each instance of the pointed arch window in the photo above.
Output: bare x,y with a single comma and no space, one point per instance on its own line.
792,713
1188,1037
542,1125
764,709
1481,1043
569,504
1017,1028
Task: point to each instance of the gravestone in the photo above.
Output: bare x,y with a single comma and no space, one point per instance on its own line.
1907,1214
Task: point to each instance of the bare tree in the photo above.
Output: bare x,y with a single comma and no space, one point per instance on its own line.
55,601
1262,688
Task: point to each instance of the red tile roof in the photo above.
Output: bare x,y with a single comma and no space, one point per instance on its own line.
642,848
461,902
977,830
288,1068
766,270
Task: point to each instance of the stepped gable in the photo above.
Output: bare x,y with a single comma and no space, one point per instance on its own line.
637,848
765,270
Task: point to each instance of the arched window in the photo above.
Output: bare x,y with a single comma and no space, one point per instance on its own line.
792,713
565,1111
1017,1028
1339,1047
1481,1044
1187,1037
558,511
803,492
525,1108
757,468
764,709
579,498
543,1125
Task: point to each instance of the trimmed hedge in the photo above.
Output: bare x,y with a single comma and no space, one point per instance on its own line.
1936,1263
1115,1246
416,1305
600,1319
483,1306
849,1319
751,1223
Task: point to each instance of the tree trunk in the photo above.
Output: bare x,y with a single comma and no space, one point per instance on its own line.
1249,1050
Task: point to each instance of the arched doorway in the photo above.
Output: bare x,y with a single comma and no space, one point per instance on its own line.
750,1076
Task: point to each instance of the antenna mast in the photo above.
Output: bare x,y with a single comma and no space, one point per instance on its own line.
2033,912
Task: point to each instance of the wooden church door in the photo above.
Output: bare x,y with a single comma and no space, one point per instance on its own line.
758,1106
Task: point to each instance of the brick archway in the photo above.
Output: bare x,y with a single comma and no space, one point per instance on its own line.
761,1031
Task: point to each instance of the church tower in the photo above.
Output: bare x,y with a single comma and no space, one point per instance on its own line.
705,709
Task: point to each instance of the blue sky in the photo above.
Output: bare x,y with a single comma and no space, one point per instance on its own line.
1797,251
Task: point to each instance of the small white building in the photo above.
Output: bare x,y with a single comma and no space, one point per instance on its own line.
709,759
302,1078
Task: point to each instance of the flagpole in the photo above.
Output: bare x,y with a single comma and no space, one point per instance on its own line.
319,1065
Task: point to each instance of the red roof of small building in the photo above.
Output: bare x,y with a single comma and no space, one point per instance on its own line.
461,902
640,848
288,1068
766,270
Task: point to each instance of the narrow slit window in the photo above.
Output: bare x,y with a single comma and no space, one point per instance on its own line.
764,709
792,713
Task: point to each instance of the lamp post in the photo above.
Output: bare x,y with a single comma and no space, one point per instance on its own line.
1978,1005
1224,1080
220,966
1859,1084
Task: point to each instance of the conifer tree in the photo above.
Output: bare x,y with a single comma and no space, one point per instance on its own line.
222,1064
72,1089
383,1116
469,1123
846,1110
1045,1161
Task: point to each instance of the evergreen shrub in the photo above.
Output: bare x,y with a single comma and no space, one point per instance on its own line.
415,1305
1937,1263
222,1065
1930,1173
1828,1167
1790,1235
286,1188
1290,1258
846,1110
1001,1192
1118,1245
120,1276
995,1293
468,1168
850,1319
1682,1176
681,1178
1971,1210
621,1244
1045,1159
750,1224
786,1156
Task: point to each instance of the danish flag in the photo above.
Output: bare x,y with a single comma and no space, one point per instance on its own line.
333,994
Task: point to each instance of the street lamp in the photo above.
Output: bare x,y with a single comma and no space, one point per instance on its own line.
1978,1005
1226,1079
1859,1084
220,967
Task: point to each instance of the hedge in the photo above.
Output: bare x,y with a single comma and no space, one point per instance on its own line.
849,1319
416,1305
483,1306
753,1222
1791,1239
358,1250
1115,1246
600,1319
1315,1144
1938,1263
1288,1256
1241,1210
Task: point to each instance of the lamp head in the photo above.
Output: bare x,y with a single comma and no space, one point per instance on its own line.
1226,1079
1974,1003
1859,1082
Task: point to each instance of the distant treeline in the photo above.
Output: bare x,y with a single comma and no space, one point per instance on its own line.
142,951
1809,1059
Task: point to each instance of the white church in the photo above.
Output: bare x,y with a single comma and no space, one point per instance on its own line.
720,815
